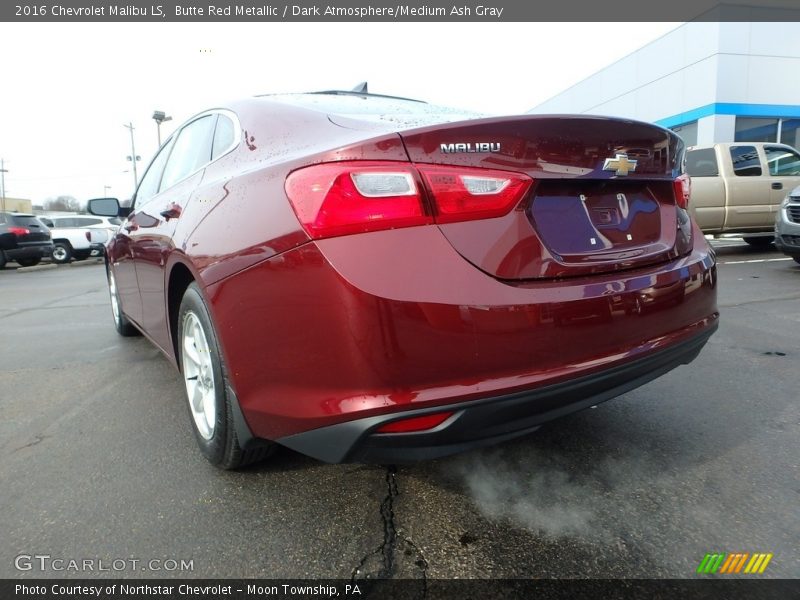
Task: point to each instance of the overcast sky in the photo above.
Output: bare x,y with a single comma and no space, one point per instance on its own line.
67,89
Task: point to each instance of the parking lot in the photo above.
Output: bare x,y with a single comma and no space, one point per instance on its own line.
99,462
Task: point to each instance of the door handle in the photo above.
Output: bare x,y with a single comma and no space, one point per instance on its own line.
173,211
777,185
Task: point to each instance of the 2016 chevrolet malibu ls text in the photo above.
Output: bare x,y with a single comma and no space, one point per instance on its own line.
370,279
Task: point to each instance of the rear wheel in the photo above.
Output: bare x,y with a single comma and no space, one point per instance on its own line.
759,241
29,262
123,326
62,252
206,385
2,260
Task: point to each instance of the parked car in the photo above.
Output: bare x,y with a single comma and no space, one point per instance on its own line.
72,241
371,279
23,238
63,220
787,225
737,188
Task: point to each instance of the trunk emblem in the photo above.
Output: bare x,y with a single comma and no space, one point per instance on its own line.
470,147
621,164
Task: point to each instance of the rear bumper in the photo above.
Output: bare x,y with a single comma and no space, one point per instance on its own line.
30,251
388,323
490,420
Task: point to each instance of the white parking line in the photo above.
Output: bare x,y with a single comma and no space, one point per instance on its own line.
755,260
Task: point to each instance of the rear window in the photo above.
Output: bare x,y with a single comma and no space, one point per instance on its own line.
702,163
24,221
86,221
745,161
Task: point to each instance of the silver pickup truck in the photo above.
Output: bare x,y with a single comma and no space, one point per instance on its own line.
738,187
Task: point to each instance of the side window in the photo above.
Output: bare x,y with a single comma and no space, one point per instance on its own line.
86,221
191,151
2,219
782,161
745,161
702,163
47,222
114,221
223,136
148,186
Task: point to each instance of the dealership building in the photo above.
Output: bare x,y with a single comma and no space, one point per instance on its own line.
710,82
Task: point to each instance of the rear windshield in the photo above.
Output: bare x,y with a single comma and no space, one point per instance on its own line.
702,163
23,220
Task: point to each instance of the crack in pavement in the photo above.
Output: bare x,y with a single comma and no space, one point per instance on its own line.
37,439
51,304
397,554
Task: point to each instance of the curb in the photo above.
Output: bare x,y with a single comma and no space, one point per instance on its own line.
36,268
86,263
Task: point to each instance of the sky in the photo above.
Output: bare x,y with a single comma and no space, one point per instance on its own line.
69,89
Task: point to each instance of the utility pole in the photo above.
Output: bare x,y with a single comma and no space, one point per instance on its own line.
3,172
133,157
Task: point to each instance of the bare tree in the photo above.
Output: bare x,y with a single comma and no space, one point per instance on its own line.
62,203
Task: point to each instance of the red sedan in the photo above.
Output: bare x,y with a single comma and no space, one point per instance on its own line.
363,278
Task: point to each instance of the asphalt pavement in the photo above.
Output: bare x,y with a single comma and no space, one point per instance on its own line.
98,463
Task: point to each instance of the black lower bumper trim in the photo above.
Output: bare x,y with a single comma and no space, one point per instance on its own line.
488,420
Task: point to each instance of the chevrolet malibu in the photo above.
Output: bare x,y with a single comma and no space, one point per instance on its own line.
370,279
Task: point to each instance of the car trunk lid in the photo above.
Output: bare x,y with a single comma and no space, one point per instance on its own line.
602,197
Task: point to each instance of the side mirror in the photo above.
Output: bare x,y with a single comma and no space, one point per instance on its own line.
107,207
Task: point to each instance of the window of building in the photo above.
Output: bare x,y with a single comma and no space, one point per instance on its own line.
688,133
745,161
749,129
790,132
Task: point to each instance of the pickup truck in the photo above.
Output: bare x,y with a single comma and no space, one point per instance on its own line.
738,187
74,242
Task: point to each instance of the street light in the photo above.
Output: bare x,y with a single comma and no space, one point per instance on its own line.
133,156
105,190
159,117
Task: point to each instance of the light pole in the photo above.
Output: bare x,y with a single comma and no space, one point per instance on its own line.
133,157
3,172
105,190
159,117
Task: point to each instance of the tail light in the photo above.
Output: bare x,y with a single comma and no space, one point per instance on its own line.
19,230
355,197
683,190
88,235
462,194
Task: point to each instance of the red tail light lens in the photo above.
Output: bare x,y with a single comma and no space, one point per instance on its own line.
88,236
683,190
19,230
463,194
356,197
342,198
415,423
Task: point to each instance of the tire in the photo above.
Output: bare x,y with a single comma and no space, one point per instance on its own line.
759,241
121,323
206,385
2,260
62,253
29,262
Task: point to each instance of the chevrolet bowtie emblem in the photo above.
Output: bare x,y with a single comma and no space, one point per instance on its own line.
621,164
